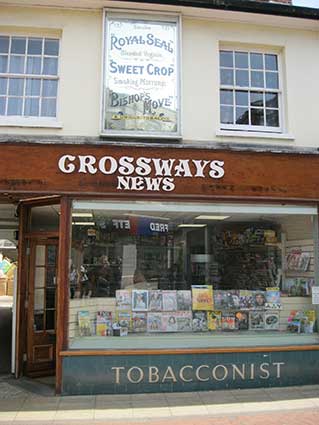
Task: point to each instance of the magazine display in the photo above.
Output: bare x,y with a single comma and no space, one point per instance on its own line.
308,321
272,320
155,301
273,298
184,321
298,287
123,299
169,322
202,297
184,300
294,321
228,321
84,323
214,320
104,323
298,261
220,299
124,319
200,321
139,322
139,300
246,299
154,322
256,320
259,299
242,320
169,300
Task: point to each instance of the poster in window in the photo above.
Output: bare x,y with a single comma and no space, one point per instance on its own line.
141,76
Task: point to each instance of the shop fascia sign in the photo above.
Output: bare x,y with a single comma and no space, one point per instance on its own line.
142,173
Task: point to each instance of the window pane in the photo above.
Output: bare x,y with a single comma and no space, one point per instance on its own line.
272,117
241,60
16,86
34,65
256,61
17,64
51,254
271,80
31,107
4,44
50,298
48,108
272,100
14,106
227,77
257,79
226,59
241,98
49,88
39,299
33,86
51,278
18,45
226,114
257,116
51,47
35,46
38,321
3,85
271,62
226,97
256,99
242,78
50,320
242,116
2,105
39,277
3,63
50,66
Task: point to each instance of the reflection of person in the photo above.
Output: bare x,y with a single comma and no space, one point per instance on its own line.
103,278
138,277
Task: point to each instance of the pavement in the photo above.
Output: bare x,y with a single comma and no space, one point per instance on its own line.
25,403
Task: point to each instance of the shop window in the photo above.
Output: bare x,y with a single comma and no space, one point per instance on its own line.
250,91
165,275
28,76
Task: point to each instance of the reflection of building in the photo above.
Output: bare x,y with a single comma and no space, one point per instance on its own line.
220,204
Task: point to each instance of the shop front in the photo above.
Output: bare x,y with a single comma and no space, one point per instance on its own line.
166,268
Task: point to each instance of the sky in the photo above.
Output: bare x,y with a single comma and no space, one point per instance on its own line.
306,3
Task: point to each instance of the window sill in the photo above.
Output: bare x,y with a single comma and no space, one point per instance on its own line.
254,135
29,122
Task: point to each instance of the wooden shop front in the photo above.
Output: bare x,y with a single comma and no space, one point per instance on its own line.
202,259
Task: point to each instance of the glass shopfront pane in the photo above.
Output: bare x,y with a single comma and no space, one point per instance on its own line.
165,275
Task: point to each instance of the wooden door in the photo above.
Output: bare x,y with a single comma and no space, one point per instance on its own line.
41,303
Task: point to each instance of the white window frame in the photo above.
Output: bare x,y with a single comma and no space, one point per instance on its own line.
31,120
267,130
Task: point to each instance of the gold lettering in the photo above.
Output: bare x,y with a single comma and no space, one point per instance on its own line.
252,371
169,374
181,373
139,379
153,376
278,368
215,372
241,372
266,371
197,373
117,373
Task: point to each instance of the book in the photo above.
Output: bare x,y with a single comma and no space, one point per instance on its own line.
124,319
84,323
228,321
169,300
242,320
273,299
214,320
184,300
184,321
246,299
200,321
123,299
202,296
169,322
155,302
154,322
104,323
139,300
256,320
139,322
272,320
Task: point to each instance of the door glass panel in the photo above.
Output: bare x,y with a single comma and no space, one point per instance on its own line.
39,281
40,255
39,299
51,279
52,254
50,298
38,320
50,320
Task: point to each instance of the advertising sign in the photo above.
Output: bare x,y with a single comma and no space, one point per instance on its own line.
141,77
